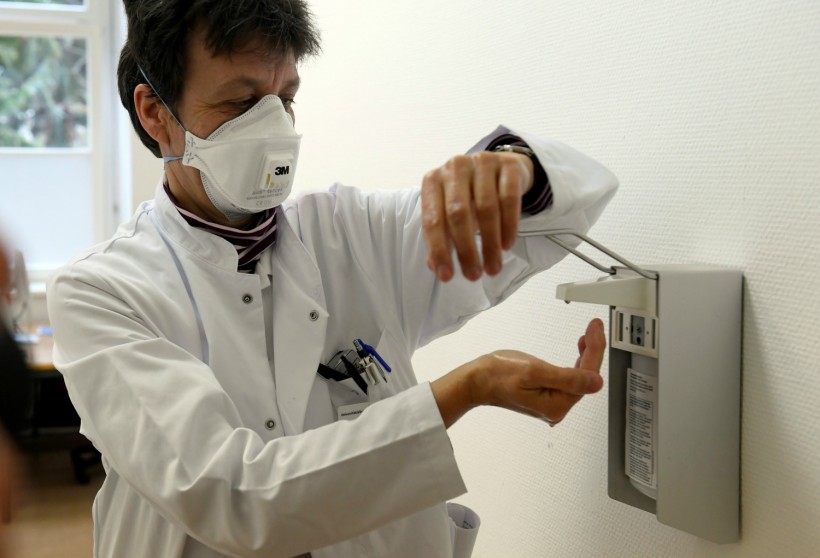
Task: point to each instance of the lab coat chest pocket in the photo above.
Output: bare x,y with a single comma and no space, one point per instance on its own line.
346,393
395,354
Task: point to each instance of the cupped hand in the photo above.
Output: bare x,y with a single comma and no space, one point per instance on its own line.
528,385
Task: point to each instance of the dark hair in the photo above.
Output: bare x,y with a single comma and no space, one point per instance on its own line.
158,34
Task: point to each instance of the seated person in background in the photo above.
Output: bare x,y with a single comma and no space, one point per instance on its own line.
190,341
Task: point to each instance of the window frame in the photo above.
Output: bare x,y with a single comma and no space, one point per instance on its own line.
100,26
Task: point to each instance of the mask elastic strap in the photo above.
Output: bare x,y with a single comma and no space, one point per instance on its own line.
174,116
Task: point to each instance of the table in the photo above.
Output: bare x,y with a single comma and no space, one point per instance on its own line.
40,363
38,354
38,348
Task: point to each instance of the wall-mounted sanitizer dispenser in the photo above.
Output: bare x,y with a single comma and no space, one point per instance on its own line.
674,388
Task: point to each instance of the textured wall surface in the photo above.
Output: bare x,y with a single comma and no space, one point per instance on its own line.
709,113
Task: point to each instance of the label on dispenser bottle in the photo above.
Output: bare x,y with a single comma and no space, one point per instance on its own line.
641,415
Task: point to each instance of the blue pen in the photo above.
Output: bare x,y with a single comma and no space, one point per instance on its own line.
371,351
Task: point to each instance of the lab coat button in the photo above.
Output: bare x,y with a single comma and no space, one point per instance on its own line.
247,299
270,424
314,315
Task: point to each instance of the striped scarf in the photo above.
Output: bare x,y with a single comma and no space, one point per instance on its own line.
249,244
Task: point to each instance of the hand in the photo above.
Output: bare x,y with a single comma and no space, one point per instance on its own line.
523,383
469,193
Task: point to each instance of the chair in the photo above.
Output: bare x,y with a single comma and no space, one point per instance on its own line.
82,458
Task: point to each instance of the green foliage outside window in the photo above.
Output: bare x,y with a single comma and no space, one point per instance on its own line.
43,91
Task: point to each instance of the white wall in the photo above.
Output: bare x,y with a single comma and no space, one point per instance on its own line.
145,174
708,112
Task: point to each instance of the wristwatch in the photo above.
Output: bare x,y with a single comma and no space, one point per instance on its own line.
515,149
535,199
523,150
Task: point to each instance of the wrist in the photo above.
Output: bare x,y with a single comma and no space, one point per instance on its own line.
527,157
457,392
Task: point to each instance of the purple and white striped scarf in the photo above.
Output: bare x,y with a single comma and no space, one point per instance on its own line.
249,244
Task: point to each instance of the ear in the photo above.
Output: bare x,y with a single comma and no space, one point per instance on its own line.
154,117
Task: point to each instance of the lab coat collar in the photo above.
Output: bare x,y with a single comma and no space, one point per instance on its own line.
263,269
201,243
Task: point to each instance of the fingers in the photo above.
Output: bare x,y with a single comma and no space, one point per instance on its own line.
434,227
529,385
473,193
510,190
458,200
487,213
539,375
552,405
582,344
594,346
576,381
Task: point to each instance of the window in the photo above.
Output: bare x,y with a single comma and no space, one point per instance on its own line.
43,92
57,129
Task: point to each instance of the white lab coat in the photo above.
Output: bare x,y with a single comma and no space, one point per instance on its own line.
163,348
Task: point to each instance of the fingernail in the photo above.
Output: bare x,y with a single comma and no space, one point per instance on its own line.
473,273
443,272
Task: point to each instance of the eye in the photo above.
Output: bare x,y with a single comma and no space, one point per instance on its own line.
244,104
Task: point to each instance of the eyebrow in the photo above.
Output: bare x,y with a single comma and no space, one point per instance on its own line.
252,83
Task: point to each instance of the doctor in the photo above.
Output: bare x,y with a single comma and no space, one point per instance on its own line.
190,341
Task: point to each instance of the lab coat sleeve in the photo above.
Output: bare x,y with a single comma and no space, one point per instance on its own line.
162,421
395,256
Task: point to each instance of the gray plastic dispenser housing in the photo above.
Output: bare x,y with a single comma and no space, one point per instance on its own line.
674,388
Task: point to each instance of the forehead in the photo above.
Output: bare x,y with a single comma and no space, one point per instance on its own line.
253,64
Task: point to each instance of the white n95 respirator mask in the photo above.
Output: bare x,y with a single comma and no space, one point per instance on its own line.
248,163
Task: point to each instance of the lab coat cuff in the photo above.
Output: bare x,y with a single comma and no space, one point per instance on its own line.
580,186
440,448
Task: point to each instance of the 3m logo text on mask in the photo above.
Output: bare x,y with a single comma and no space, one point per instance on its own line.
277,175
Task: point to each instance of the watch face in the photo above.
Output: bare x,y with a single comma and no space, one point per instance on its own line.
516,149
